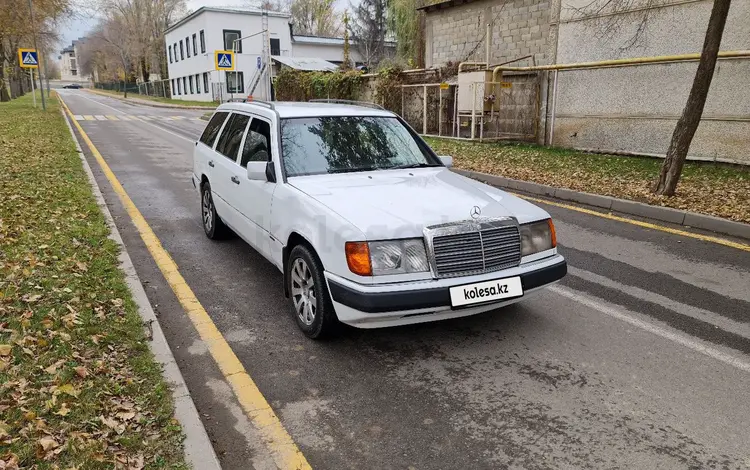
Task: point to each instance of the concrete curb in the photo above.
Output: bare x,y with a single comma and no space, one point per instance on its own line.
149,103
665,214
199,452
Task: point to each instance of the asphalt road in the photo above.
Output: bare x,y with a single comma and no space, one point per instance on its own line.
640,358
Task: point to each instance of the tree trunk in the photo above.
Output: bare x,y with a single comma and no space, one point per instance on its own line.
688,123
4,95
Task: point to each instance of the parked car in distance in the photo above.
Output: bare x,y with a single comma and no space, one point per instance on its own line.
73,86
367,224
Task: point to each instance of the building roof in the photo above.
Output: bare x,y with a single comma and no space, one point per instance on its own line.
304,39
431,5
239,11
310,64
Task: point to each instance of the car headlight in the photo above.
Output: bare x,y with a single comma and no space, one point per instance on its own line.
537,236
387,257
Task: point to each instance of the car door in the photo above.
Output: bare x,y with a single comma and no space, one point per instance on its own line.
224,179
256,195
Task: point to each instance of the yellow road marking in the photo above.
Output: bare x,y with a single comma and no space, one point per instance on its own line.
111,117
285,452
697,236
87,117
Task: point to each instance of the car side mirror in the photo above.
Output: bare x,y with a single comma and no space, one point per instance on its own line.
447,161
256,171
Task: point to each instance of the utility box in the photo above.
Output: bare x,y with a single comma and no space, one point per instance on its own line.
472,89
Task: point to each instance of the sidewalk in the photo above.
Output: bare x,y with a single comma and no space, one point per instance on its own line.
155,102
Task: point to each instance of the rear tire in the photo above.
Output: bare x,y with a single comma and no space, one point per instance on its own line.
213,226
308,294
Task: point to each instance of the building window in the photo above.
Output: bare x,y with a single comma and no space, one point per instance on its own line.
176,57
205,82
187,45
195,46
74,72
170,54
197,84
235,82
174,89
184,84
192,90
179,87
203,42
182,51
231,35
275,47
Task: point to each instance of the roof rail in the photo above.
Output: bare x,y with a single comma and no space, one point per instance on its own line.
266,104
366,104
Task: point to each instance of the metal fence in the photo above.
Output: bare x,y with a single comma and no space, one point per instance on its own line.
118,86
156,88
429,108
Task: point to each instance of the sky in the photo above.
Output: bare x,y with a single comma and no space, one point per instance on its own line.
82,23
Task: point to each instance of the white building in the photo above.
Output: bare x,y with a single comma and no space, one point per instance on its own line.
191,43
69,66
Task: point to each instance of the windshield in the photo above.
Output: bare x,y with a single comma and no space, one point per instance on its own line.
339,144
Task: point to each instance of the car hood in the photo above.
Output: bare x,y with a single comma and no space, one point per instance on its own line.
400,203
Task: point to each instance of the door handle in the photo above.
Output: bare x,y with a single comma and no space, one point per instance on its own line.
235,180
211,163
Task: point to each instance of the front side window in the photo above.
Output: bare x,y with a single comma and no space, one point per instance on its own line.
212,129
203,42
229,142
340,144
235,82
257,146
230,36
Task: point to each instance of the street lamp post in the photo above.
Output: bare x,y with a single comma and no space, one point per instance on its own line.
234,49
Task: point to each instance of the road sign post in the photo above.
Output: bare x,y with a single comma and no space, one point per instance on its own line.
28,59
33,92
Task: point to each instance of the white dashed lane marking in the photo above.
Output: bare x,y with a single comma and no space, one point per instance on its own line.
132,117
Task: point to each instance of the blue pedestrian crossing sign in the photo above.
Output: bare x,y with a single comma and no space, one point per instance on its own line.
224,60
28,58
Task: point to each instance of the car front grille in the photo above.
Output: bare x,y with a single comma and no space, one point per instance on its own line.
475,247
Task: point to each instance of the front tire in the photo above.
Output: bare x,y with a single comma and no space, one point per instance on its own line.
212,224
308,292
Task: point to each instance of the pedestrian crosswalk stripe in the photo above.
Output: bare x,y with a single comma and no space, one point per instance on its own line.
89,117
112,118
179,117
78,117
99,117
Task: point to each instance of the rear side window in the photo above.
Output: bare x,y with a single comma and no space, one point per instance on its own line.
229,142
257,143
213,127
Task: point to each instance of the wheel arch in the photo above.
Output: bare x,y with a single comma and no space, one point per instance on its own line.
294,239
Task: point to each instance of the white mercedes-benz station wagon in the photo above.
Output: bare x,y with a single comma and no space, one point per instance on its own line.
367,224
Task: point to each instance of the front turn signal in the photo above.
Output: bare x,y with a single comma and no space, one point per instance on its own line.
552,234
358,258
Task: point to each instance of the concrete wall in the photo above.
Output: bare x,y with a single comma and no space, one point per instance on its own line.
519,28
635,108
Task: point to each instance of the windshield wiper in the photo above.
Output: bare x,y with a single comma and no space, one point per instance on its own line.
352,170
413,165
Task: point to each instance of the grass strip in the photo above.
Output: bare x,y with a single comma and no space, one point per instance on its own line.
709,188
79,387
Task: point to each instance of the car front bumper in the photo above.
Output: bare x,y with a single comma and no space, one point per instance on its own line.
375,306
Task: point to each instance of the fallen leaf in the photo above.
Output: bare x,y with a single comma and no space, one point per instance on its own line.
82,372
125,415
48,443
82,266
5,349
68,389
9,462
64,410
